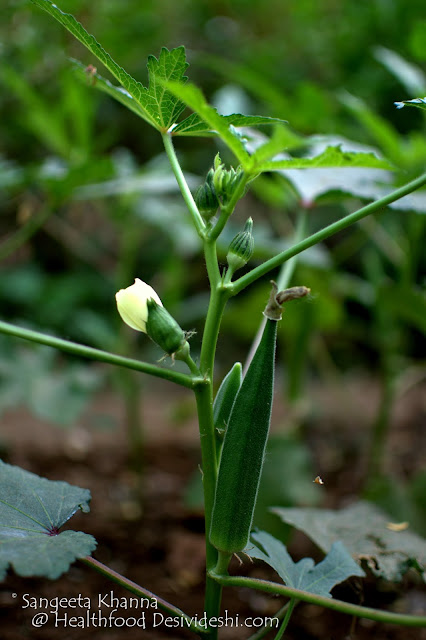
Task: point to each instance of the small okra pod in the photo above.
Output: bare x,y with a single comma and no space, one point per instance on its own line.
225,398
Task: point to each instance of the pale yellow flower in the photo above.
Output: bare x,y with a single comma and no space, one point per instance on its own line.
132,304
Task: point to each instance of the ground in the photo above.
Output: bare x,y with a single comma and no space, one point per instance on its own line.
145,531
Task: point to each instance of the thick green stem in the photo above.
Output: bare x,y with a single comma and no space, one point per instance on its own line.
204,396
328,603
143,593
102,356
186,193
325,233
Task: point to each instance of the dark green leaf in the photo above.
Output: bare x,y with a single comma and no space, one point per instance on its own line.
336,567
364,531
32,509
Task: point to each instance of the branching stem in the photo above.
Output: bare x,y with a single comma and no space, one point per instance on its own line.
328,603
143,593
325,233
102,356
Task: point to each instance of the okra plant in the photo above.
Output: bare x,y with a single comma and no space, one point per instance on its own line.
234,423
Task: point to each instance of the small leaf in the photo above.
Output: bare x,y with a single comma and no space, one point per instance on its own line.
336,567
416,102
32,510
363,530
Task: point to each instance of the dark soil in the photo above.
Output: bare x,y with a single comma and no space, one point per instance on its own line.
145,531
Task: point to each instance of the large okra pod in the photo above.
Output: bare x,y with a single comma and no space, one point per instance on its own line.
244,445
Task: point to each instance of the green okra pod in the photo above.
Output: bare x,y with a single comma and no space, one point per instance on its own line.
223,403
245,441
225,397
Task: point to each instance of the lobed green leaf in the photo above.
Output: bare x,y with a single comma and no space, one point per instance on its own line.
32,509
336,567
364,531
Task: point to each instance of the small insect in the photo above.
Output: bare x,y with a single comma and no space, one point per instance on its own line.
91,72
318,480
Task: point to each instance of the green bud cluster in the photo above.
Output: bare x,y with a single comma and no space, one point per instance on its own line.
241,248
225,180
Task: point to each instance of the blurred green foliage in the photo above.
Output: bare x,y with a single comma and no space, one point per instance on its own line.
95,175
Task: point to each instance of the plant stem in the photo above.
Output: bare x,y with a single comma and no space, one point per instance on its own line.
328,603
102,356
266,629
143,593
227,210
204,397
325,233
186,193
286,620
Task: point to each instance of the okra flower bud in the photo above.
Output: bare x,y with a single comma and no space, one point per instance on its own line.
141,308
206,198
225,181
241,248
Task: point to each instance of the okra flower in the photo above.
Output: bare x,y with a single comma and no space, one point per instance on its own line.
141,308
132,304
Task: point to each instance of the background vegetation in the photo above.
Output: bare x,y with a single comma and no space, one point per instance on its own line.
92,178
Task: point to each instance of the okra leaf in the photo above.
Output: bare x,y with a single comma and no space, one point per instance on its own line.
193,97
155,103
331,157
95,79
32,510
336,567
365,532
194,125
420,103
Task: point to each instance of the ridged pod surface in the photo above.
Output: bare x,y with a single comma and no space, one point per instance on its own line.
243,450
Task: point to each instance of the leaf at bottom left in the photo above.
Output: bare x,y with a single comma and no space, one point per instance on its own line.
32,510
